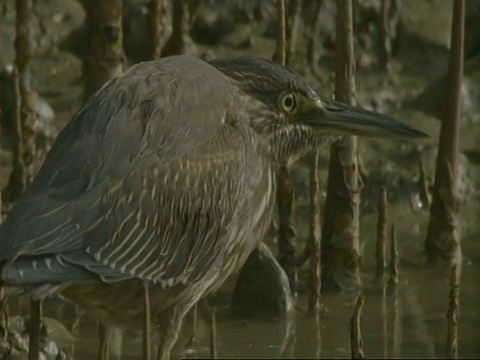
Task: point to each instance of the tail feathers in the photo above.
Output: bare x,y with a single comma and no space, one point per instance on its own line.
48,269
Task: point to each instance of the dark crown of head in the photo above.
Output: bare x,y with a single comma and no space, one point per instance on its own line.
261,78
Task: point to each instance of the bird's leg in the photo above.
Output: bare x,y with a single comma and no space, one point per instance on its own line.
34,329
104,337
147,341
4,313
169,326
193,339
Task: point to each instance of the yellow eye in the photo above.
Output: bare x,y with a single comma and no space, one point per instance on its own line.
288,102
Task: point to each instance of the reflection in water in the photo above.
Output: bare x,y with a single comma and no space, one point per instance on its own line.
356,336
384,334
405,321
287,350
318,337
396,322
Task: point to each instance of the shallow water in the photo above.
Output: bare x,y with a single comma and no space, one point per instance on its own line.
407,321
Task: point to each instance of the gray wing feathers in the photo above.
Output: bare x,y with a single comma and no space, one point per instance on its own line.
134,181
171,227
45,269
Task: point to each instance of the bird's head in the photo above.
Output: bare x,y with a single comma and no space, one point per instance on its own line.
293,117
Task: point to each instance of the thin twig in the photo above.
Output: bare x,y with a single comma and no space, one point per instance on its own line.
356,338
452,313
314,240
18,177
156,14
393,280
23,54
286,189
4,316
1,206
280,55
423,185
381,247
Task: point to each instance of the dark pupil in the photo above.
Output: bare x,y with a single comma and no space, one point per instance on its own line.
288,101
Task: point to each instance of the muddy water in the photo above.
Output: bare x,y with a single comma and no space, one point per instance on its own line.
407,321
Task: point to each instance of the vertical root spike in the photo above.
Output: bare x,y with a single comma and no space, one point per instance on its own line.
213,335
356,338
147,342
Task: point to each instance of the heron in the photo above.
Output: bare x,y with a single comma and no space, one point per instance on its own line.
167,176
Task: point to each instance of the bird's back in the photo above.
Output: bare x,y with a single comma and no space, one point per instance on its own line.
142,183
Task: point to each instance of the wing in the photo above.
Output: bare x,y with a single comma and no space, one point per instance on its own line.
143,182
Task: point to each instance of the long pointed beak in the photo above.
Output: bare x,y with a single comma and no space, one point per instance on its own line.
336,118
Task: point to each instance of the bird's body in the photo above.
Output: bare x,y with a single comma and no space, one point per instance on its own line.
166,176
89,222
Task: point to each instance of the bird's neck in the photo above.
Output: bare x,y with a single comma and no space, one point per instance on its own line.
290,144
